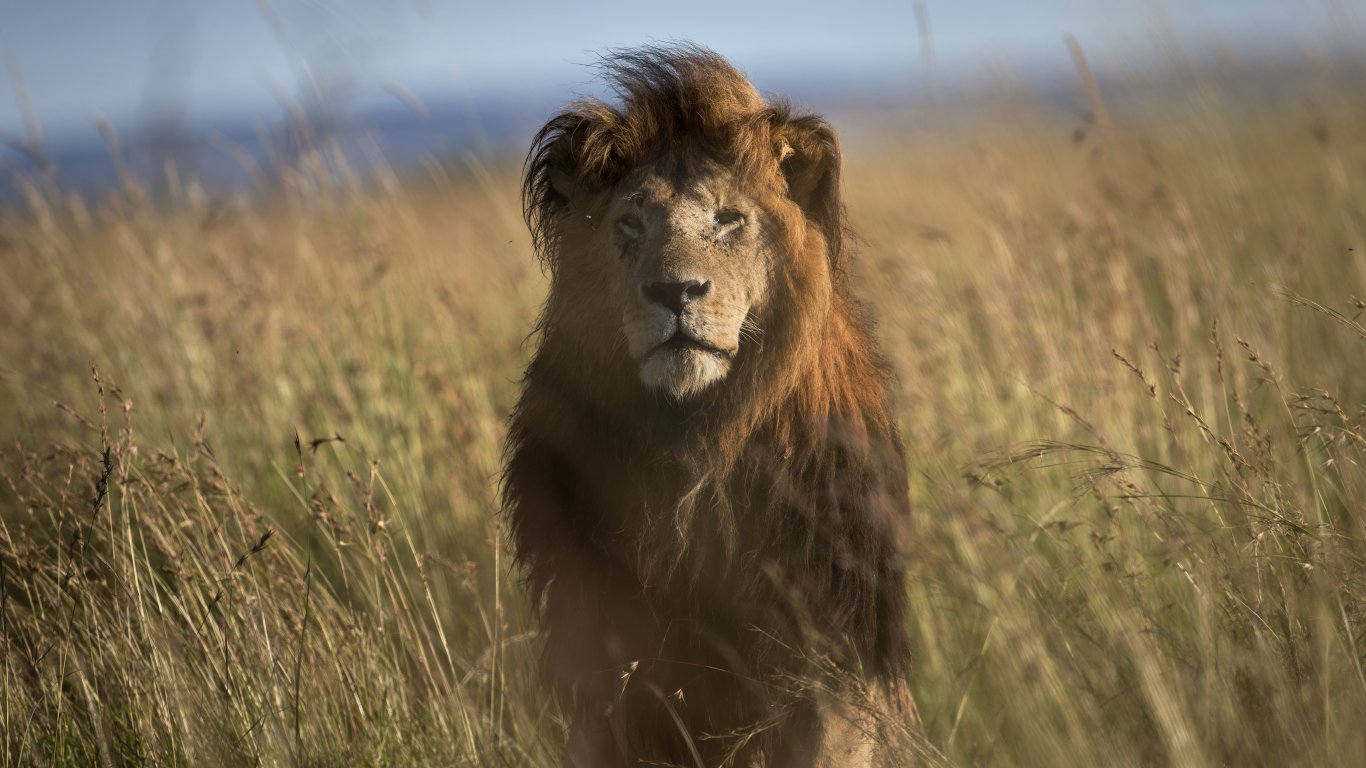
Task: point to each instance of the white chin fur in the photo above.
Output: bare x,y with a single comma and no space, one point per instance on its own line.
682,373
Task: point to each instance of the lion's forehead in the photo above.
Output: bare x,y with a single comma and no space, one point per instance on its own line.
681,175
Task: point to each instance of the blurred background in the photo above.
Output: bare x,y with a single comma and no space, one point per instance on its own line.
217,88
265,297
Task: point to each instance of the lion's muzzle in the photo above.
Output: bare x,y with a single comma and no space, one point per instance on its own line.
682,359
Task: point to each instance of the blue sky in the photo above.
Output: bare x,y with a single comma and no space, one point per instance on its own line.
211,58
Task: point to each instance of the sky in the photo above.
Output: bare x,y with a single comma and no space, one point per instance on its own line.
205,59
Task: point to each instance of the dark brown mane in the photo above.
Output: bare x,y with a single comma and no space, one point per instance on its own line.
670,96
769,505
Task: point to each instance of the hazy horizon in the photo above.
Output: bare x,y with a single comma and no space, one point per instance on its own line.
200,63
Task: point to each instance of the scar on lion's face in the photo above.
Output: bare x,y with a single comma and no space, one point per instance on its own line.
689,270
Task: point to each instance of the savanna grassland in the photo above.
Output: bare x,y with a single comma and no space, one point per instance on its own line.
249,454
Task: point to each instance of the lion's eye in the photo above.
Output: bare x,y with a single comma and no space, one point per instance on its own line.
630,226
728,219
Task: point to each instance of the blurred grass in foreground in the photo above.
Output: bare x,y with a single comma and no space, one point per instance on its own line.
1133,391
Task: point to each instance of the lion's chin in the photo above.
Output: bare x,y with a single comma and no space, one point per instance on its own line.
682,373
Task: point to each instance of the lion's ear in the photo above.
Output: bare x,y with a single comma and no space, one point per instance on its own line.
809,156
571,161
566,155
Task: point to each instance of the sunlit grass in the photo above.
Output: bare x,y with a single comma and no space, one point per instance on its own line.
251,455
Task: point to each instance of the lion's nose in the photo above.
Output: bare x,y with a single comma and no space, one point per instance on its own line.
676,295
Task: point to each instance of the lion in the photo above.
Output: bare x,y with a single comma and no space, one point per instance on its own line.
704,483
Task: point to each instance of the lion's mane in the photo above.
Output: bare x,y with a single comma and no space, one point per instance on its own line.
751,528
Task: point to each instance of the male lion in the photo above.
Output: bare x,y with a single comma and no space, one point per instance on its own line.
704,479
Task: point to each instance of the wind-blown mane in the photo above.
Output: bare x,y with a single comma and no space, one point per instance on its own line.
769,503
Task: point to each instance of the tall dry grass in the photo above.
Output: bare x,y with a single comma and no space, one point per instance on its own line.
250,457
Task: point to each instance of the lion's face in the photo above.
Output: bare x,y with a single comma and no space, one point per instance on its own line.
691,223
689,272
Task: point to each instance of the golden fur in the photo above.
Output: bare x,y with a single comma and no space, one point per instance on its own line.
712,540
